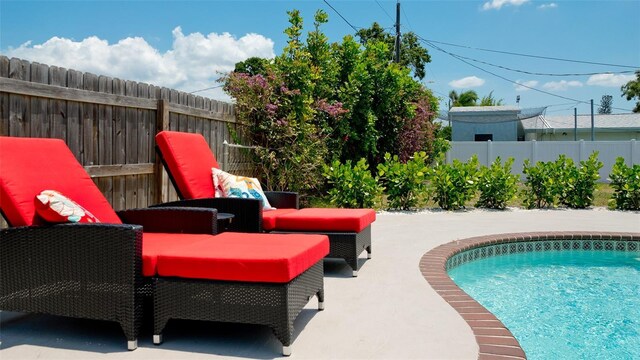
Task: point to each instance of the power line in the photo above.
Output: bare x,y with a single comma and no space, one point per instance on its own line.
205,89
504,78
385,11
545,74
494,74
407,18
343,18
533,56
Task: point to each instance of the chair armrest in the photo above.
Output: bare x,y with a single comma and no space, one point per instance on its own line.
44,261
283,199
247,212
190,220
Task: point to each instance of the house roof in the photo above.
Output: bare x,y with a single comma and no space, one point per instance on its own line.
483,114
566,122
483,109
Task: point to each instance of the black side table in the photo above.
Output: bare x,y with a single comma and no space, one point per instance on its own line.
224,220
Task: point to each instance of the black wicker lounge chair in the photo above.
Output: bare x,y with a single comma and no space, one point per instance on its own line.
104,271
189,162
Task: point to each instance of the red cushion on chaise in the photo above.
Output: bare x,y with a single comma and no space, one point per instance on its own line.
45,164
269,217
330,220
189,160
272,258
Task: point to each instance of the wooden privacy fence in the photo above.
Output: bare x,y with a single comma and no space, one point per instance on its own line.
110,125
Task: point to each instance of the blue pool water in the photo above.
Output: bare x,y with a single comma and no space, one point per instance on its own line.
562,304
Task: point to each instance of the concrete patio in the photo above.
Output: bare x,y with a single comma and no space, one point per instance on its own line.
387,312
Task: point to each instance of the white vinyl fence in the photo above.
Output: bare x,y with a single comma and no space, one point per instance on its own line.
546,151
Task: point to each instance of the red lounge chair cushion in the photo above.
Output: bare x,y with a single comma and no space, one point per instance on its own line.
269,217
154,244
31,165
57,208
189,160
329,220
271,258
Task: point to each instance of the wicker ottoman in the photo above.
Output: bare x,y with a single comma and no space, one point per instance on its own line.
349,230
263,279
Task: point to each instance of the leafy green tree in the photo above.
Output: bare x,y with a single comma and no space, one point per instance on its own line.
277,108
443,132
412,54
356,133
489,100
252,66
631,90
605,104
318,102
418,132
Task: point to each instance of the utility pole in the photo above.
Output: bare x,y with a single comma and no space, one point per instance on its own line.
397,57
593,135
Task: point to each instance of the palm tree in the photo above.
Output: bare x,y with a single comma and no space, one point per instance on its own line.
465,98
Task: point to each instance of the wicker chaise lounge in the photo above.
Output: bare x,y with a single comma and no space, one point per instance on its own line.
189,162
104,270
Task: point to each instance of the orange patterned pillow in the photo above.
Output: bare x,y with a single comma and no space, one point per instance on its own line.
57,208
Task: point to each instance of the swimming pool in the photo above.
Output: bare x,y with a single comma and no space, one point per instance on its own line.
562,304
576,318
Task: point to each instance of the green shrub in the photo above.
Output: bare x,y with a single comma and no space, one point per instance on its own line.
352,186
540,185
576,186
497,185
454,184
625,182
404,182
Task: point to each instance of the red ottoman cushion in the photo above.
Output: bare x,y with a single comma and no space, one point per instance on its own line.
269,217
154,244
271,258
329,220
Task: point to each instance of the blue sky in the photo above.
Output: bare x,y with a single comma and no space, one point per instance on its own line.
187,44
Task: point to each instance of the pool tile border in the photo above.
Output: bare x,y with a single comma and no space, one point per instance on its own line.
495,341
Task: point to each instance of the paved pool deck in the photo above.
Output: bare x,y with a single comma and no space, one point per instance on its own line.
388,312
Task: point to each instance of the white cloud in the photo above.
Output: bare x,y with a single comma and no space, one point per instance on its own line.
468,82
530,83
194,62
497,4
548,6
562,85
609,80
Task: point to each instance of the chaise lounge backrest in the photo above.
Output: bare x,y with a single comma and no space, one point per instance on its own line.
31,165
189,160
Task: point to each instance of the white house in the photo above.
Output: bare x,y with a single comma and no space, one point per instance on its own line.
502,123
563,127
482,123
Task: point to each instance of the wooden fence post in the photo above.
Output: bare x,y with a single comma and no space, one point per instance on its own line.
161,180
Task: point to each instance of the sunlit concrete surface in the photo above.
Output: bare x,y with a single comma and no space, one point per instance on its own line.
387,312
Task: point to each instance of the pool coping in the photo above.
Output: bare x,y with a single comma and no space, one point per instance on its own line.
494,339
